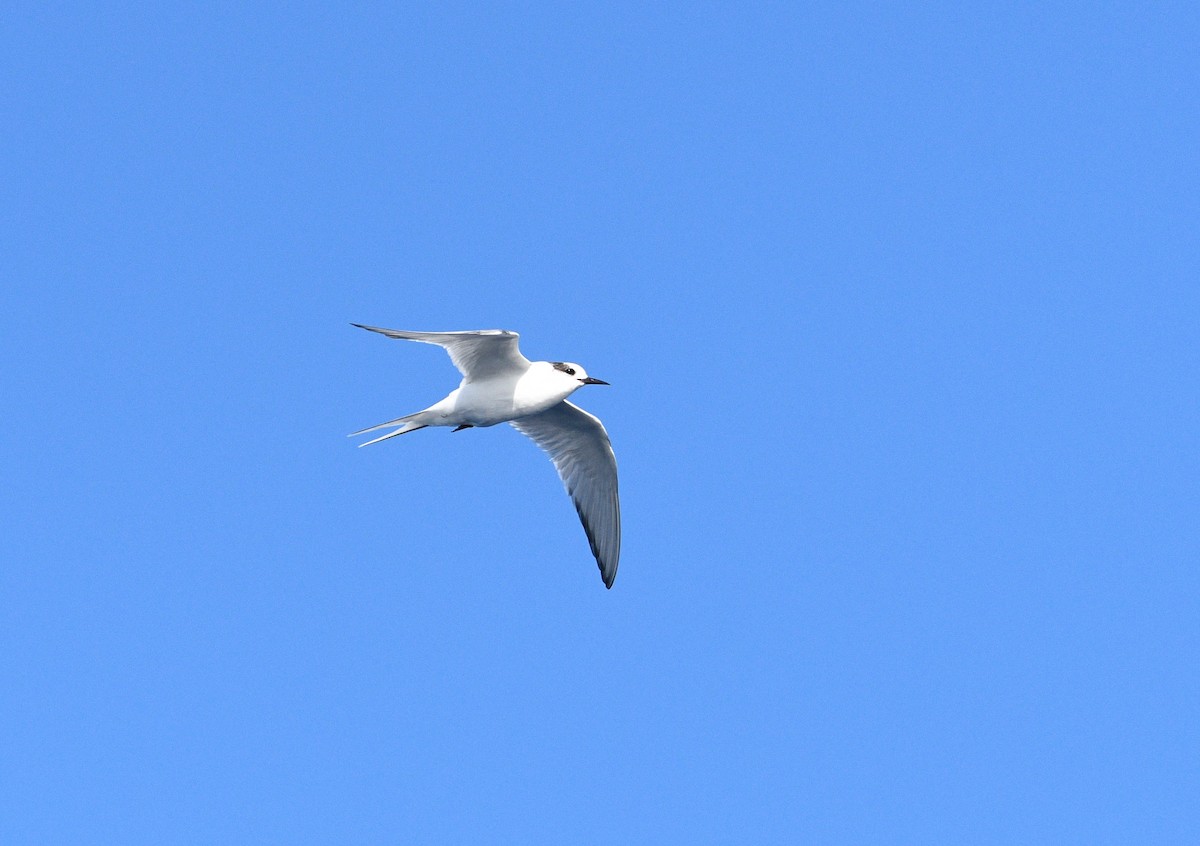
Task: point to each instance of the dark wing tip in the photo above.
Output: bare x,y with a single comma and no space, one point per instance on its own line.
594,543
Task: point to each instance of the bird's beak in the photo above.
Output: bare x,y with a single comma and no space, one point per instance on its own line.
590,381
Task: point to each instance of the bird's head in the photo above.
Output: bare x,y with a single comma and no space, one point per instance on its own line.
574,372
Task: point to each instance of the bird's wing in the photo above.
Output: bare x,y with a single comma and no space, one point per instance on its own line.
579,447
478,355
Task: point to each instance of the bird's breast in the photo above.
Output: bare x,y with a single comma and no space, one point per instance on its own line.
491,402
536,392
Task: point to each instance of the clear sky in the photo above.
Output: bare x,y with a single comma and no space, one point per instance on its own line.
900,308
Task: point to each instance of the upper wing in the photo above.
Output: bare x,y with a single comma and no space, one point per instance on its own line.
478,355
580,449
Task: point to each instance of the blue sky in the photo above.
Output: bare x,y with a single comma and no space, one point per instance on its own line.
899,308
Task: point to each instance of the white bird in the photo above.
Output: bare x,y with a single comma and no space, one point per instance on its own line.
500,385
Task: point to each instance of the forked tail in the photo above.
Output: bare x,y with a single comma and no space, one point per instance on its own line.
406,424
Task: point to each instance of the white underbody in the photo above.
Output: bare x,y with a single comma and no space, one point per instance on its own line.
500,399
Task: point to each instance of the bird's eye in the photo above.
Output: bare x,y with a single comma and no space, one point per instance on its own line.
570,371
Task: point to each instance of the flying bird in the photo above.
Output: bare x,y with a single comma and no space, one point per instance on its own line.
500,385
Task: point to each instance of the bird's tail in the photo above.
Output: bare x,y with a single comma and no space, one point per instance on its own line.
406,424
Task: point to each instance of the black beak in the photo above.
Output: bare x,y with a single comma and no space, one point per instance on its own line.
590,381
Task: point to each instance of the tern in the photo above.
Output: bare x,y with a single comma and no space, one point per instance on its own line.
500,385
